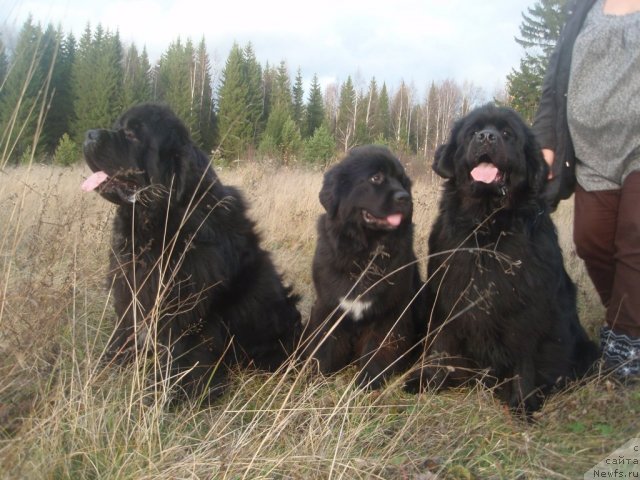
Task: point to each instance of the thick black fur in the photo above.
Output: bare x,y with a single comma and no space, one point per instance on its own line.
502,300
187,263
362,258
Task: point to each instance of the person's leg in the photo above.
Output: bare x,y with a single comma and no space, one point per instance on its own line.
623,313
594,229
621,336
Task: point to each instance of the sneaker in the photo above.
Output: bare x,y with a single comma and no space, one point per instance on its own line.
621,354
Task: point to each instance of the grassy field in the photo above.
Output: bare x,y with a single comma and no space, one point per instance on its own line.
63,417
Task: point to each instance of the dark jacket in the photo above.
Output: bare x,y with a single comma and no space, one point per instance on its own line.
550,124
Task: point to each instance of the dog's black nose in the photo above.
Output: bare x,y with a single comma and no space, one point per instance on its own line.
401,197
487,136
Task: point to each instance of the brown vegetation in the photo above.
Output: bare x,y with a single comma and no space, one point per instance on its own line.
63,417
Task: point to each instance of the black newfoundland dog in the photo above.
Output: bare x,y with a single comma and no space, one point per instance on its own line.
191,284
502,301
364,268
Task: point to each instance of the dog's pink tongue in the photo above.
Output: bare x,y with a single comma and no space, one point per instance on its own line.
93,181
485,172
395,219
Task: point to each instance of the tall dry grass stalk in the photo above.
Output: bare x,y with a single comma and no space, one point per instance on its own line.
64,417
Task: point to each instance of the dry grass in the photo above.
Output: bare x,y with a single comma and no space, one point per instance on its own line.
62,417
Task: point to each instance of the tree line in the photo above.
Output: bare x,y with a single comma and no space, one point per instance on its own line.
53,88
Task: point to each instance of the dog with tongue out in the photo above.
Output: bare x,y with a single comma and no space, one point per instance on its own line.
364,269
502,308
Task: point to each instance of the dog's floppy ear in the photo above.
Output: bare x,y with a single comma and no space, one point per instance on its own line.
180,175
190,168
329,192
183,158
443,160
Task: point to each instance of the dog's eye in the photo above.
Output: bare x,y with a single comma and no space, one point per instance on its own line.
377,179
506,133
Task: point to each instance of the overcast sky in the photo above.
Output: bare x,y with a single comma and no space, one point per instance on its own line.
412,40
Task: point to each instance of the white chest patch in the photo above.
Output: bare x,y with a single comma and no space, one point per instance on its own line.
355,308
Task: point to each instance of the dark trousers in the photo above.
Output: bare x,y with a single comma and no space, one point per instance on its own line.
607,237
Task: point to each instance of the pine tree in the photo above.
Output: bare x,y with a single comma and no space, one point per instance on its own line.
314,112
539,32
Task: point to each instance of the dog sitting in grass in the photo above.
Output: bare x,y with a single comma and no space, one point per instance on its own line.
191,283
503,306
364,269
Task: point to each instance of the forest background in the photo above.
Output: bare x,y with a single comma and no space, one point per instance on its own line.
60,86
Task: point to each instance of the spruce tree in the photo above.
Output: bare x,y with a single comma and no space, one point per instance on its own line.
268,82
281,93
370,111
383,117
315,108
175,86
255,93
320,148
360,124
233,120
539,32
298,102
403,119
22,93
204,98
60,112
136,86
280,113
272,136
430,133
542,25
290,141
97,76
4,63
524,86
345,122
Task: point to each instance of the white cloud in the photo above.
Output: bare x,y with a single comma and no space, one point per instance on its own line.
415,40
